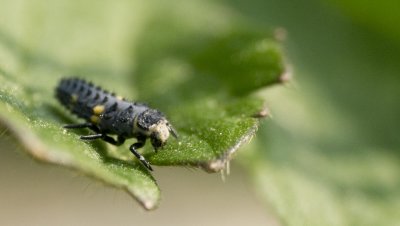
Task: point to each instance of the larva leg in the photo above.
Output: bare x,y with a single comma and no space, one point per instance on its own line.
83,125
111,140
104,137
92,137
133,148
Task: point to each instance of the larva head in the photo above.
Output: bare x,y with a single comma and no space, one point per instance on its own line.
156,126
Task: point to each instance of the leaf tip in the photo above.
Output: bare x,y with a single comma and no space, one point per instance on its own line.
264,112
149,204
221,162
280,34
286,76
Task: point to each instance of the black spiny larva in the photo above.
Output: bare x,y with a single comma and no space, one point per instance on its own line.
107,114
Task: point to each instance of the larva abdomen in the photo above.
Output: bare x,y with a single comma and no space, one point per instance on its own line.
81,97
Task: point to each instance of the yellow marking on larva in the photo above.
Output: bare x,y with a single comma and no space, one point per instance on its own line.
74,98
95,119
119,97
98,109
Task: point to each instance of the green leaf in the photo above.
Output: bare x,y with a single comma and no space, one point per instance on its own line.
211,108
213,115
244,61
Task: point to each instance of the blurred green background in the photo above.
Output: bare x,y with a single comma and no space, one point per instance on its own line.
328,156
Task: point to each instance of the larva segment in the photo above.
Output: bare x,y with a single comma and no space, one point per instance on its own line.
84,99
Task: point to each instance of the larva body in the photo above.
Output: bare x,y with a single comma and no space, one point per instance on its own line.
107,113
